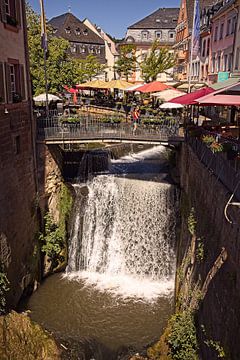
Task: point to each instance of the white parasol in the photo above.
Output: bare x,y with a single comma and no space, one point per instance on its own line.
42,98
169,105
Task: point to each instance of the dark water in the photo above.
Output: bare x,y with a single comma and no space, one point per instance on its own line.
86,308
70,309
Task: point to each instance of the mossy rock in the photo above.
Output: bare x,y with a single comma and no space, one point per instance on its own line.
21,339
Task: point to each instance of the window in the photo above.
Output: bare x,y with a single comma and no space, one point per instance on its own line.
208,46
10,12
237,58
98,50
15,81
219,63
234,24
171,35
225,63
7,7
228,26
78,31
144,35
221,31
12,79
83,49
230,58
85,32
158,34
68,30
216,33
203,48
213,63
74,48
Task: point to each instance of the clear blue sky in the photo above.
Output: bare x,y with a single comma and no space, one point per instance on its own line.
114,16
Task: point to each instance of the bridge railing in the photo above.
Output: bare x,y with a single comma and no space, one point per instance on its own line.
217,164
94,127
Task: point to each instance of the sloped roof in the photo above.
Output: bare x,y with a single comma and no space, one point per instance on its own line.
190,8
72,23
163,18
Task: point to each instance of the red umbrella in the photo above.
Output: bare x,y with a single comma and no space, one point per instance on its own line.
192,98
153,87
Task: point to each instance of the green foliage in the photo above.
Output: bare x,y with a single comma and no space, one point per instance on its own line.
200,250
215,345
127,61
62,69
65,206
192,222
158,61
208,139
4,288
216,147
182,339
52,239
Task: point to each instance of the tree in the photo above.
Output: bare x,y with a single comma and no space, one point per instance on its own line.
127,62
62,69
158,61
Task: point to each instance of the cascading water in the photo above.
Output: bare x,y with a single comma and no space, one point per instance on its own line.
118,288
123,236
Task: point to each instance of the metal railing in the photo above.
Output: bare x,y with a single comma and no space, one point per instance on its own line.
218,165
114,128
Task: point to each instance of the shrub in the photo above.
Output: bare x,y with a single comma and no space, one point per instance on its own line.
208,139
182,339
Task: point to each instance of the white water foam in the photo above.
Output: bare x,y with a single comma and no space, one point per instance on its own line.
125,286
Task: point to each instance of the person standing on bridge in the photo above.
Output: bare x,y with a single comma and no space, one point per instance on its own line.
136,118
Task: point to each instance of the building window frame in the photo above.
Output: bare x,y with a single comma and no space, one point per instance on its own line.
158,34
215,33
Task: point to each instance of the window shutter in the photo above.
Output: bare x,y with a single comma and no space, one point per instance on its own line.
2,88
8,83
22,82
3,11
18,11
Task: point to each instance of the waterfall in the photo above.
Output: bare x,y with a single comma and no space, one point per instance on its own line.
123,236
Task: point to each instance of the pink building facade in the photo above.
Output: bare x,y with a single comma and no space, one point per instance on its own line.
223,32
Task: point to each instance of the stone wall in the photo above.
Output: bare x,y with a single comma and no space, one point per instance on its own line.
18,200
218,315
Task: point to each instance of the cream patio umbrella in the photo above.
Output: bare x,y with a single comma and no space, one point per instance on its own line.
117,84
168,94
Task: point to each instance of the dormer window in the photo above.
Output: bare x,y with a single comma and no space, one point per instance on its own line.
78,31
68,30
158,20
85,32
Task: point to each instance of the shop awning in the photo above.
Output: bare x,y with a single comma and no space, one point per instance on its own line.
220,100
192,98
223,84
